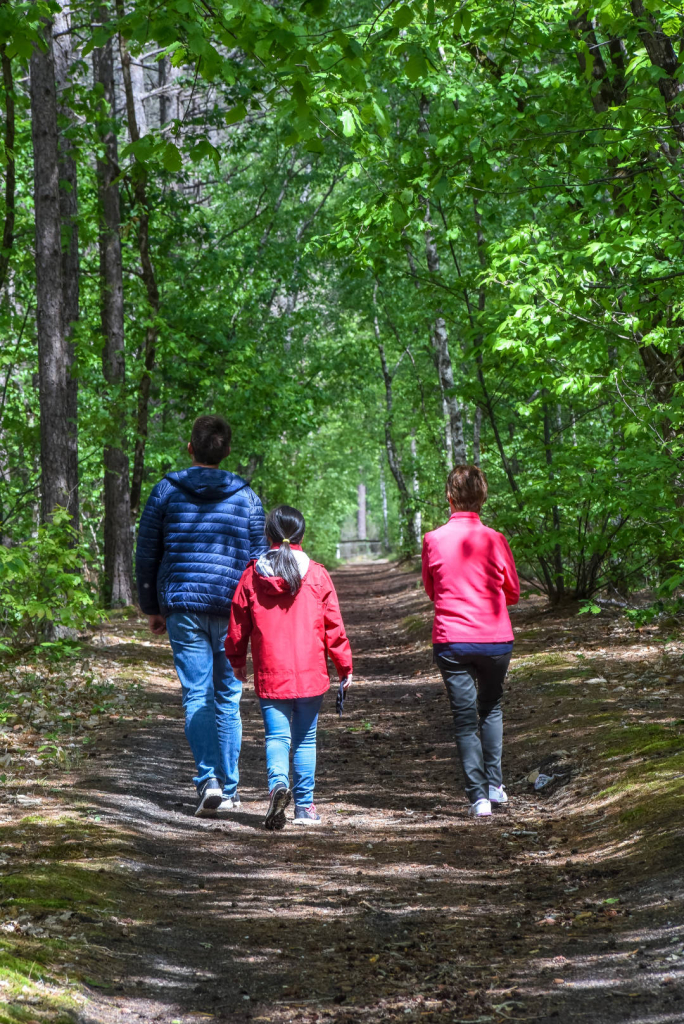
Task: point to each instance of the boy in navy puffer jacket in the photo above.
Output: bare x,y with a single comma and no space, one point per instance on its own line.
198,531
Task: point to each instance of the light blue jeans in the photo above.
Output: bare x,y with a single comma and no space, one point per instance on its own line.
211,696
292,723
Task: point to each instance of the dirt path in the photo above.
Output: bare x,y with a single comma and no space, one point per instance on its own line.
567,907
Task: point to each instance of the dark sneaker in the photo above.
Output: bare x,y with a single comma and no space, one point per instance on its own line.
210,797
231,803
275,816
307,816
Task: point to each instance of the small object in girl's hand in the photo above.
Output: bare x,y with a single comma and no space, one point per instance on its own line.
339,703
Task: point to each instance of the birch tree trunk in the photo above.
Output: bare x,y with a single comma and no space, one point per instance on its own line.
68,205
53,349
118,584
417,516
383,500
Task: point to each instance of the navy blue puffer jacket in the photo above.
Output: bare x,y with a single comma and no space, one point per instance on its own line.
198,531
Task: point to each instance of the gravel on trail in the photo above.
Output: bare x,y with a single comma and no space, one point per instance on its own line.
565,907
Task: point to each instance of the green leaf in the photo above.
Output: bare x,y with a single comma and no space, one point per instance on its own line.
171,158
315,146
236,114
416,67
348,122
402,17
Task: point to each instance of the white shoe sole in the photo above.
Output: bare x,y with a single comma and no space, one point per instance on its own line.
211,801
306,821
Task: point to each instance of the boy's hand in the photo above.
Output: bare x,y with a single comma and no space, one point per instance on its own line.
240,674
157,624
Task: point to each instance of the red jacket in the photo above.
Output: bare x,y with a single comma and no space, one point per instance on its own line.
291,636
469,573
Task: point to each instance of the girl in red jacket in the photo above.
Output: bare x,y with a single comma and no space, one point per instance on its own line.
288,605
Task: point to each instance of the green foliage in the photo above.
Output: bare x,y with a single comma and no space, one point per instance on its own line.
42,586
292,193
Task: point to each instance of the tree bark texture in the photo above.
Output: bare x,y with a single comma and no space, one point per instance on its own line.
68,204
10,168
118,547
149,280
53,350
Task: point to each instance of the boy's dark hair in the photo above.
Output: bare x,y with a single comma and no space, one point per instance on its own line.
467,488
210,439
285,525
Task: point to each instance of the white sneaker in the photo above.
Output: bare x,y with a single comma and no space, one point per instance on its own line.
481,809
498,795
230,803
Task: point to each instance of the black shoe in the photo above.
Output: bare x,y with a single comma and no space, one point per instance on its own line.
275,816
210,797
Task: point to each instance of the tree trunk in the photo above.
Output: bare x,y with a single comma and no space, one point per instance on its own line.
10,170
453,418
118,583
417,516
477,431
405,502
558,579
361,512
68,204
149,279
53,350
383,500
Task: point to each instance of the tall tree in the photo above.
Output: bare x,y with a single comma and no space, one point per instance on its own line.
10,167
53,349
64,57
149,278
118,586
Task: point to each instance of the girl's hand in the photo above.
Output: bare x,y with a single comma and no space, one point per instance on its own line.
240,674
348,681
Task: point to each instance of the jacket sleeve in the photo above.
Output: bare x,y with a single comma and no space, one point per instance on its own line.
336,643
511,584
428,582
150,549
240,625
257,539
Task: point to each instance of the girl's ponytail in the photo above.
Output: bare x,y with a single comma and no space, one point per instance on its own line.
285,526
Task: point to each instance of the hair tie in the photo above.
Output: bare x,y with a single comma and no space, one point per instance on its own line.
285,540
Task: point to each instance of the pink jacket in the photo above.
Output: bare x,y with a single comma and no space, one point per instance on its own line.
469,573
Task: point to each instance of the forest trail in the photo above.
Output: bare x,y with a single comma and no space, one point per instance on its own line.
567,907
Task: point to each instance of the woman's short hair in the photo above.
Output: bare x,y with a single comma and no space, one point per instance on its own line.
467,488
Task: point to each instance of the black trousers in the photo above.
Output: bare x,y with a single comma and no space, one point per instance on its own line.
474,684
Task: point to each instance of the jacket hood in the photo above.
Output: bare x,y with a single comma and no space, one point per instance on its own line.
276,584
204,484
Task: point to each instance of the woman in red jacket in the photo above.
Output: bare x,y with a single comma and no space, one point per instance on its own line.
469,573
287,604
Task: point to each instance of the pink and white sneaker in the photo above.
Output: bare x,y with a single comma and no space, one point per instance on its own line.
306,816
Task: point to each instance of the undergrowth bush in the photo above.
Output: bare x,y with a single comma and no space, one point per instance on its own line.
43,591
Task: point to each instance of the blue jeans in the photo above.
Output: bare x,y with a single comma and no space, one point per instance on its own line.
211,696
292,723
